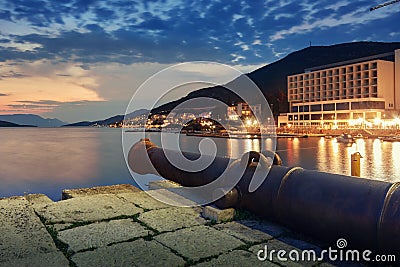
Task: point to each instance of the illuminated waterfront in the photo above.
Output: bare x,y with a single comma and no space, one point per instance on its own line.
379,162
49,160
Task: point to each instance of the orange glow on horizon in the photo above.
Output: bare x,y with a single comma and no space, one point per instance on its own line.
38,92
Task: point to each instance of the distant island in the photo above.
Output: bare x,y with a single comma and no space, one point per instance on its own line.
30,119
10,124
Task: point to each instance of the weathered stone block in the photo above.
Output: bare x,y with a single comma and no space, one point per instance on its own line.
243,232
172,218
162,184
111,189
218,215
143,200
175,197
37,200
136,253
43,260
23,236
270,228
101,234
199,242
88,208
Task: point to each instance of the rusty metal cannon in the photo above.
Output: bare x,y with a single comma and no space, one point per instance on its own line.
326,206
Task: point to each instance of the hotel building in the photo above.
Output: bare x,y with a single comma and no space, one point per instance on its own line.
362,93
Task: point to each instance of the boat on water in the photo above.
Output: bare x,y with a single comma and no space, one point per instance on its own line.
328,136
345,138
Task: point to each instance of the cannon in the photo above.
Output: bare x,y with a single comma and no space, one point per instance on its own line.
322,205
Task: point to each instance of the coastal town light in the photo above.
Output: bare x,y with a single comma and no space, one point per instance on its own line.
248,122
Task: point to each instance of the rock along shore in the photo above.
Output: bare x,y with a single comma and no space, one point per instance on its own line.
123,226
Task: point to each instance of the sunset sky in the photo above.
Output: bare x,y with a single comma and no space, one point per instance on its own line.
83,60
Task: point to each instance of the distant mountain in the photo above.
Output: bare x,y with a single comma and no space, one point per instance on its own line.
10,124
111,120
31,119
272,78
79,124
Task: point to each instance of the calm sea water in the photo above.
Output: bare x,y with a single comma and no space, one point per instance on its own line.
41,160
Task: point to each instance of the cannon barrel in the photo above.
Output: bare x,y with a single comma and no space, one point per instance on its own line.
326,206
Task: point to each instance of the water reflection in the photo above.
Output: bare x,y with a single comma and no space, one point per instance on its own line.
378,162
380,159
252,145
395,156
49,160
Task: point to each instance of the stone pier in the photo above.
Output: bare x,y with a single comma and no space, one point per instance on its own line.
123,226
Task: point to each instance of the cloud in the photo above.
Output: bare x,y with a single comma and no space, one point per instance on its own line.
157,31
283,15
11,74
168,31
245,47
357,16
25,107
40,102
237,58
1,94
37,85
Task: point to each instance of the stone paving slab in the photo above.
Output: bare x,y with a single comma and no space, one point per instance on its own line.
236,258
162,184
38,200
136,253
101,234
199,242
266,227
143,200
112,189
23,236
175,196
243,232
172,218
52,259
87,208
218,215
